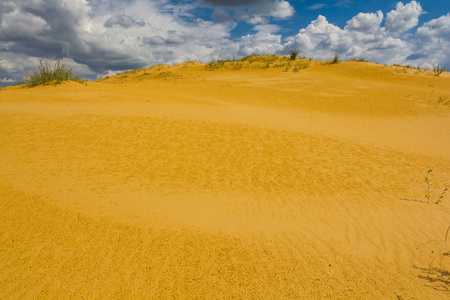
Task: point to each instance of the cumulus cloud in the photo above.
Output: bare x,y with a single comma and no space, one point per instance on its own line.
320,39
363,36
252,11
123,21
437,30
172,39
142,34
221,15
103,36
365,22
232,3
404,17
267,28
260,43
6,80
434,39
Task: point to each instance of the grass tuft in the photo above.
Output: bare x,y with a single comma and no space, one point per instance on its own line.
48,74
443,100
355,59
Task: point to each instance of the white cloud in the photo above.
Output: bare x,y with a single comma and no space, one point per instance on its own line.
365,22
280,9
317,6
436,30
260,43
362,37
6,65
6,80
434,40
267,28
404,17
319,39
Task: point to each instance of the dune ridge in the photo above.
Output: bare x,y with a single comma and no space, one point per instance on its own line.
245,181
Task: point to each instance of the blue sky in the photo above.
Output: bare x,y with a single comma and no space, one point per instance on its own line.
101,37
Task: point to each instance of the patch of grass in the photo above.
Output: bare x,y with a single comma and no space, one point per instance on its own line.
355,59
443,100
48,74
438,69
301,66
248,57
288,66
215,64
237,66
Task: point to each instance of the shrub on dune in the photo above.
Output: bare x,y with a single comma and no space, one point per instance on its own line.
438,69
294,54
48,74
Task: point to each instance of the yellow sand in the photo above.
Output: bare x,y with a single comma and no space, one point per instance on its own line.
239,182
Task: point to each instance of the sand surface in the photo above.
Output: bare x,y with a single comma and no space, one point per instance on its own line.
245,181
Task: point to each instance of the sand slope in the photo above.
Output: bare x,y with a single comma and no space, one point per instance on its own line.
244,181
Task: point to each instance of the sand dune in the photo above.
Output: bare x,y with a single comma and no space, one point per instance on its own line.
238,181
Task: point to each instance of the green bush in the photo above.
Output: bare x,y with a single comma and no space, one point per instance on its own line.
294,54
48,74
335,59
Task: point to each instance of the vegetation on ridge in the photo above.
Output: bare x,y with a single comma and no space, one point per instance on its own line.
48,74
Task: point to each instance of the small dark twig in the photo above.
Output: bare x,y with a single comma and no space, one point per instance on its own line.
446,236
429,268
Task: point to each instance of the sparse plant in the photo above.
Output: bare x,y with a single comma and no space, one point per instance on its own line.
441,196
438,69
216,64
428,190
335,59
444,254
429,184
294,54
48,74
355,59
443,100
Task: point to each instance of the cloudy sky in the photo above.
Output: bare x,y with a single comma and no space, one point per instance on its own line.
99,37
